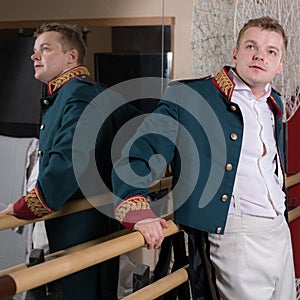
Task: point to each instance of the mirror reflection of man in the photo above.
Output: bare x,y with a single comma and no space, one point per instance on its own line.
59,57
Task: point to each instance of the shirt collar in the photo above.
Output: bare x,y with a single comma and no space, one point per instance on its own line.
240,85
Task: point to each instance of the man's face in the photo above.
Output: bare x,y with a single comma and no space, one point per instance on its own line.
259,57
48,57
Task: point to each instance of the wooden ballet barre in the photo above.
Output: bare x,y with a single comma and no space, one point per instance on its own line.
292,180
17,279
7,222
167,182
164,183
294,213
61,253
79,247
161,286
27,279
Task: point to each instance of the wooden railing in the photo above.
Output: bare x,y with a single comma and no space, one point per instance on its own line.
20,278
71,261
292,180
8,222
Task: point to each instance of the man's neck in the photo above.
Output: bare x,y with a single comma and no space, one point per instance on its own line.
258,90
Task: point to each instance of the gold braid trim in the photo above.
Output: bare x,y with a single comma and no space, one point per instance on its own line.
35,204
56,83
225,83
133,203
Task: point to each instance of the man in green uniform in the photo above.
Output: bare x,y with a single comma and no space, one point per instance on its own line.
59,56
223,137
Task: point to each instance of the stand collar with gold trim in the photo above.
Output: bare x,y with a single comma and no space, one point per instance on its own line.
224,83
57,82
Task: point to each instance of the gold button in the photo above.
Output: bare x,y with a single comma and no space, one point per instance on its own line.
228,167
46,102
40,153
233,136
42,126
218,230
232,107
224,198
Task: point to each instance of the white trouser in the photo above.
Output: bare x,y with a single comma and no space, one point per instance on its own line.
253,259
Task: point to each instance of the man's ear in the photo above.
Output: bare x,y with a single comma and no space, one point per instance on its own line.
280,67
234,53
73,56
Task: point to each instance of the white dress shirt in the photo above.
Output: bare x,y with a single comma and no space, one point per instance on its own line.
257,188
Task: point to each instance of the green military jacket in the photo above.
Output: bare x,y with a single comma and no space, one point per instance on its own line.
67,97
199,132
74,100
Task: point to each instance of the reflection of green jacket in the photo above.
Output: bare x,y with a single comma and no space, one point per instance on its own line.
207,128
68,96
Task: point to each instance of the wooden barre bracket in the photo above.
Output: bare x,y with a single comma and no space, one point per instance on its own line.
161,286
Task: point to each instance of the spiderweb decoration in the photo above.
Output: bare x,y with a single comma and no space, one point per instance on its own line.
212,35
215,27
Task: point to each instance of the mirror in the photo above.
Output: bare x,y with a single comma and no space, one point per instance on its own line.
147,42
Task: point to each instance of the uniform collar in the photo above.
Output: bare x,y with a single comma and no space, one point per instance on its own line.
54,84
225,84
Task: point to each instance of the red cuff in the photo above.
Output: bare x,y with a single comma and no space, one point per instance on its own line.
133,217
31,207
22,211
132,210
